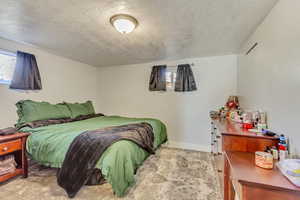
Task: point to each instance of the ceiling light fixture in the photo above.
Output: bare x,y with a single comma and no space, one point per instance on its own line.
123,23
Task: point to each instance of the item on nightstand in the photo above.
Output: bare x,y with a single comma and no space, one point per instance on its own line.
232,114
238,119
263,117
8,131
7,164
261,126
247,120
247,126
255,118
268,150
291,166
254,130
283,147
232,102
268,133
283,154
223,113
275,153
291,169
264,160
214,114
282,140
247,117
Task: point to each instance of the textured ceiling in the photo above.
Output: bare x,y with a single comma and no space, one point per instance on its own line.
168,29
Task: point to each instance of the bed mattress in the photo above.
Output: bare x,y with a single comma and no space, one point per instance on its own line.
48,145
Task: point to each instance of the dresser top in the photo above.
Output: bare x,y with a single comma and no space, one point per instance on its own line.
227,127
13,136
245,171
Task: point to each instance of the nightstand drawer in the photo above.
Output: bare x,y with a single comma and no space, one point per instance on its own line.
10,146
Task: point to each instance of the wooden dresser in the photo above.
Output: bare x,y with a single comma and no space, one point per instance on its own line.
233,148
15,144
249,182
229,136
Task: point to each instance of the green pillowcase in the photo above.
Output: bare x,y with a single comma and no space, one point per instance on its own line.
78,109
30,111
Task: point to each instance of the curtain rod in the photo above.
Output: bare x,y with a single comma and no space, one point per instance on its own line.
191,64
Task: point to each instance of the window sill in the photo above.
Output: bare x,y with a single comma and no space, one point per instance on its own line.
3,82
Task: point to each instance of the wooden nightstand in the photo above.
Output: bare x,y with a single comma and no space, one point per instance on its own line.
15,144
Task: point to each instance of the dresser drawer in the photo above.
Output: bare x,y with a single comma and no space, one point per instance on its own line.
10,146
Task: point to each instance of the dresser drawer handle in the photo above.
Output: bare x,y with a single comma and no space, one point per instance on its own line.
5,149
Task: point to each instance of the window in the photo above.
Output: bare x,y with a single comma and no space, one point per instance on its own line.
7,66
170,78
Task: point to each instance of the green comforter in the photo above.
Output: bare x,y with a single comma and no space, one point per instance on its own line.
49,144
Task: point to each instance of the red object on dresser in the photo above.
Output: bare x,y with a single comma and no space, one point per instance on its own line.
247,126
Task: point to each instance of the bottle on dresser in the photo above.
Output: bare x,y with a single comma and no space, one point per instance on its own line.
283,147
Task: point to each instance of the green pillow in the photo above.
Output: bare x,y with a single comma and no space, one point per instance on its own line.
78,109
30,111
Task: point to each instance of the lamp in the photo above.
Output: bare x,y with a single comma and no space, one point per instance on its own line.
123,23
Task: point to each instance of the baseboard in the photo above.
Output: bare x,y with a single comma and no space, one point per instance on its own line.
189,146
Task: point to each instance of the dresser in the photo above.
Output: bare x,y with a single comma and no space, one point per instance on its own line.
242,178
15,144
230,136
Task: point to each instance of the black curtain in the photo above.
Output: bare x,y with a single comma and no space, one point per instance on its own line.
26,75
158,78
185,81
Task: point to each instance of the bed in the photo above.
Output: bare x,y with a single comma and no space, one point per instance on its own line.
48,146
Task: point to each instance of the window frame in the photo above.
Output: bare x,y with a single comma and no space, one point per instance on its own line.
7,53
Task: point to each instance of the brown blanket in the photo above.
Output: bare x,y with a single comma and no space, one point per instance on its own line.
87,148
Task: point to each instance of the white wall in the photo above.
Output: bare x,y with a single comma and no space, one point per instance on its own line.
62,79
269,77
124,91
